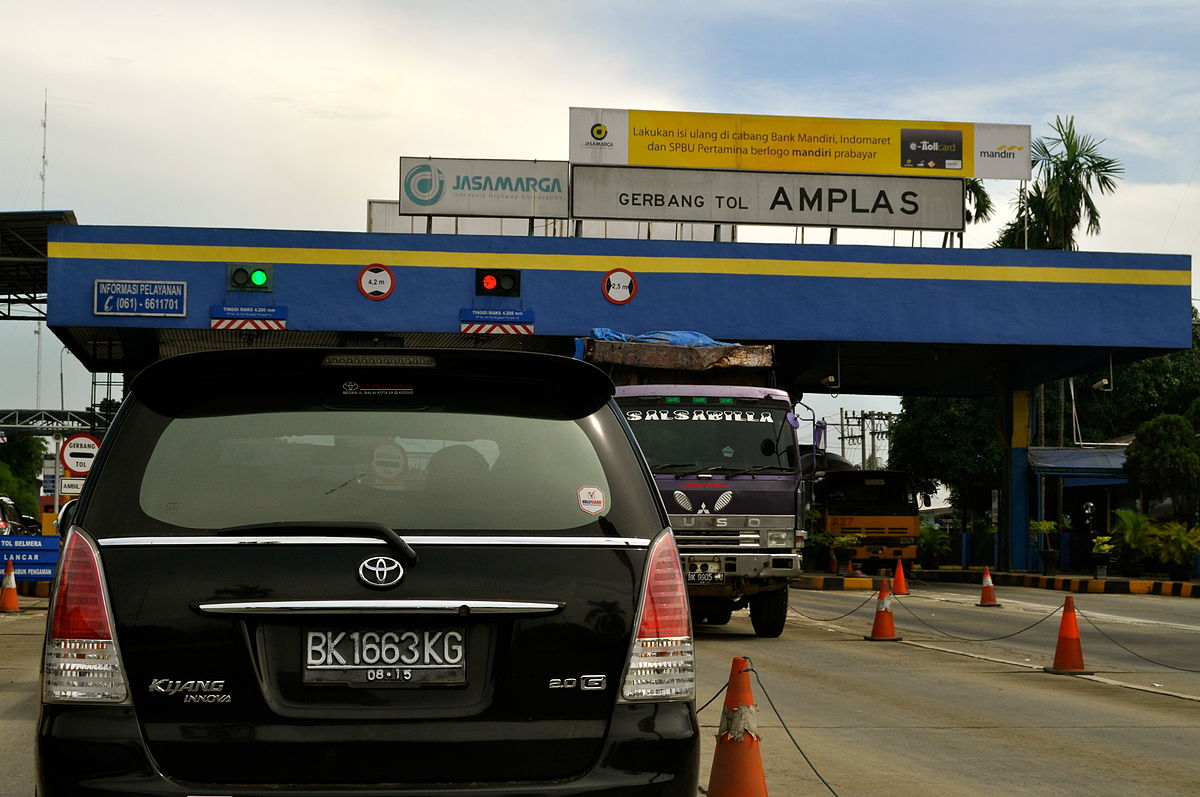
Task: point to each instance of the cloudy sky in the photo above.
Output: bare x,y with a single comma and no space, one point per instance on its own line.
291,115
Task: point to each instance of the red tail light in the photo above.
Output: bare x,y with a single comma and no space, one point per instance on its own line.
81,661
665,606
662,660
80,611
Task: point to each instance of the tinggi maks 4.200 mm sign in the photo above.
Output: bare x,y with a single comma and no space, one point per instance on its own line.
496,188
783,198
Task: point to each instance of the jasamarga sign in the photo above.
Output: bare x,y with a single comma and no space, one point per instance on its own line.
497,188
780,198
799,144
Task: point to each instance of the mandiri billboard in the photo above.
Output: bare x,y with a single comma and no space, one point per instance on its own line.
781,198
497,188
623,137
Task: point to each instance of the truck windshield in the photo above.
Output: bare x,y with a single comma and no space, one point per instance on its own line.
733,440
868,493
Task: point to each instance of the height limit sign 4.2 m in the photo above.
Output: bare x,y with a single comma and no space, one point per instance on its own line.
376,282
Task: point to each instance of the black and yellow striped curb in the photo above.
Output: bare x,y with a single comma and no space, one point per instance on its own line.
1115,586
833,582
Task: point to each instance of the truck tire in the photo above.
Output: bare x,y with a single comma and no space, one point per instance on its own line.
768,612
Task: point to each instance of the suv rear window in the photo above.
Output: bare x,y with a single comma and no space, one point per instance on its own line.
409,469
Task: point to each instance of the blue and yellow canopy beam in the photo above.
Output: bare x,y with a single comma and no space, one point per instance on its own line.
1020,316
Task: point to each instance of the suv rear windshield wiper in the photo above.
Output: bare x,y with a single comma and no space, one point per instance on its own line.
335,527
674,466
729,470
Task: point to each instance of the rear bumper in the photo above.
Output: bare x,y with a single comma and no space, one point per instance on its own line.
733,575
652,750
885,550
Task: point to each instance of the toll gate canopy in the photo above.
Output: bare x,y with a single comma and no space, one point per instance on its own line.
848,319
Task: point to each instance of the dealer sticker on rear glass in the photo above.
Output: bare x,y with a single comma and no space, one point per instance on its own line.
591,500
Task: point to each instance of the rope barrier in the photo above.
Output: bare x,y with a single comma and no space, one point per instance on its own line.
840,616
788,730
779,716
783,723
1030,627
1055,611
1126,649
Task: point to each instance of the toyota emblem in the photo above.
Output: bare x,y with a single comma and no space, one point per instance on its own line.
380,572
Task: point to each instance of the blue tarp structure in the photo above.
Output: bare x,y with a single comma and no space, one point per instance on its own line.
668,338
1080,466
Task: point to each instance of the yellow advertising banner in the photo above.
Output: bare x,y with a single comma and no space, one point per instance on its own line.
799,144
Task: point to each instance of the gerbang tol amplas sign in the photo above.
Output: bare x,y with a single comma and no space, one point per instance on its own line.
622,137
496,188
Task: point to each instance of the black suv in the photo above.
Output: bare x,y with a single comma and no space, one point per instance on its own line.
304,572
12,521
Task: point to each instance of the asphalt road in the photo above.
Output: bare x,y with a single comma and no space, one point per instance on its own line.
21,636
914,718
931,715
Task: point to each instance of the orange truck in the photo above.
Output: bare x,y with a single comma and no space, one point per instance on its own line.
877,506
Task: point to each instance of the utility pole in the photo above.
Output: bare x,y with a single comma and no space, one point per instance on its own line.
842,430
42,174
873,426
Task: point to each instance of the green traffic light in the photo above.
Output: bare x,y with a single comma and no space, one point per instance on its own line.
240,277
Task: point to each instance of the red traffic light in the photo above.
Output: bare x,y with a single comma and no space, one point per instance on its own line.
497,282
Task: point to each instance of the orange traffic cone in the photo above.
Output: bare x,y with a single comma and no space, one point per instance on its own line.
884,629
899,586
1068,656
8,592
988,596
737,764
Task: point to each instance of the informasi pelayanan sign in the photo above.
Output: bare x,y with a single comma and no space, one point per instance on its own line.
799,144
780,198
496,188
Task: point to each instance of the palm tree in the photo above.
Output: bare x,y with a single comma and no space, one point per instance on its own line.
979,203
1028,230
1069,168
978,207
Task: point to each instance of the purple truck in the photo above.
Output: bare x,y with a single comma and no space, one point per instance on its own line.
726,461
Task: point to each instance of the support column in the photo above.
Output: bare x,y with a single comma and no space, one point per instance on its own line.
1017,428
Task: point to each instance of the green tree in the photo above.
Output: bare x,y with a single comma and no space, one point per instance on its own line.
1192,413
978,208
1028,229
951,441
20,469
1169,384
1165,457
979,202
1070,168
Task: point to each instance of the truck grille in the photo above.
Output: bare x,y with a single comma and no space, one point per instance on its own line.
724,532
717,540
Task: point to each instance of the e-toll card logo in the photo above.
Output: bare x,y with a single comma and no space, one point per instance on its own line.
931,149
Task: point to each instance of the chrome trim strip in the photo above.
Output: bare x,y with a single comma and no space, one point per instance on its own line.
418,539
381,606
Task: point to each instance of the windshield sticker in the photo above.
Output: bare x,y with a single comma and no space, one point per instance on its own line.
747,416
727,452
591,500
389,466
